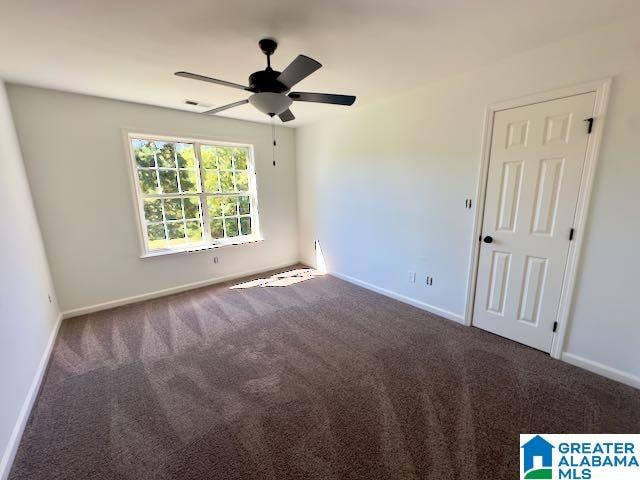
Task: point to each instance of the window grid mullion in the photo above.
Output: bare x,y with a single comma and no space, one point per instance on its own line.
175,163
219,171
159,189
184,219
177,170
204,206
168,221
233,171
164,221
224,224
156,171
238,212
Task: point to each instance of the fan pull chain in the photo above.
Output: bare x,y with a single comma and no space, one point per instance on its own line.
273,137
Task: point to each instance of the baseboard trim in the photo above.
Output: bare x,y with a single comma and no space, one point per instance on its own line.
601,369
576,360
167,291
401,298
25,411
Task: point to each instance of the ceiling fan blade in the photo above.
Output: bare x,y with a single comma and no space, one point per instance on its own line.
225,107
323,98
301,67
202,78
287,116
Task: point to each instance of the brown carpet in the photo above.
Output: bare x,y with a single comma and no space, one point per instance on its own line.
317,380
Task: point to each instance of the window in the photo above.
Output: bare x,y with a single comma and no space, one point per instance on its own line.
193,194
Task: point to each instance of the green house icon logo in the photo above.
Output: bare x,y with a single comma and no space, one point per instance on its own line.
537,447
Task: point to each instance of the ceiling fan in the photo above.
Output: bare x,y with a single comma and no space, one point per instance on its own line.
271,89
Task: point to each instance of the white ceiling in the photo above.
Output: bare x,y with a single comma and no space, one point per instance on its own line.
129,49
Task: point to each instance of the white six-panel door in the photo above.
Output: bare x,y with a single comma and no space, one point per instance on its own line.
535,166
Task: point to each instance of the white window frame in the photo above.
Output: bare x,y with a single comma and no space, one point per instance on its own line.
207,242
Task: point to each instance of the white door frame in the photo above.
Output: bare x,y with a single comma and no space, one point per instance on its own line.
601,89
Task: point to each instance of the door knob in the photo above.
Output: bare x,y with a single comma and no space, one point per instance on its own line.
488,239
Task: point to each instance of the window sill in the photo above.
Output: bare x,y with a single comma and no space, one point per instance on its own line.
200,248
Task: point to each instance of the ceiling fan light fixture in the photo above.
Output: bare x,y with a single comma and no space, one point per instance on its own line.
270,87
270,103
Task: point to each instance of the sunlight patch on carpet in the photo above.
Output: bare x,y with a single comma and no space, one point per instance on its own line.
284,279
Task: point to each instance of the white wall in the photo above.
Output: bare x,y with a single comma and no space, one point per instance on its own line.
76,162
383,186
27,319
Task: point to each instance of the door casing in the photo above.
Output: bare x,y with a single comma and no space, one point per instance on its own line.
601,89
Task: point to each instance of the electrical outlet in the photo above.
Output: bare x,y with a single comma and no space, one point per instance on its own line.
215,259
50,299
429,281
412,277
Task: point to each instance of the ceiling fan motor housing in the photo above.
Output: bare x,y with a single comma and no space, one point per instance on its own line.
266,81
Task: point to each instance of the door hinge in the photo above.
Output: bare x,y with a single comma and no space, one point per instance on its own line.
571,232
589,124
555,326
